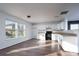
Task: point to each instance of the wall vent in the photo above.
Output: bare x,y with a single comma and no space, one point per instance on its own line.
64,12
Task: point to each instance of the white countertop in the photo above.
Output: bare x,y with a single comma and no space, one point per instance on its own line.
68,32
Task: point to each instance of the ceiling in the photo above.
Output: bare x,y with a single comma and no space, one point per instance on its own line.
39,12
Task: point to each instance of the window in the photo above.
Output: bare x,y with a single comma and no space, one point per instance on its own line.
73,25
14,29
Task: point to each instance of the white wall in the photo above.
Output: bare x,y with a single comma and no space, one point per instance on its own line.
9,42
73,13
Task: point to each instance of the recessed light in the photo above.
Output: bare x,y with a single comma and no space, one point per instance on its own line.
28,16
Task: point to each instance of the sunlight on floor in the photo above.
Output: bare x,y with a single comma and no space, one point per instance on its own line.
29,48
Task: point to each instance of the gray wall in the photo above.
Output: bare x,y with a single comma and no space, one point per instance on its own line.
9,42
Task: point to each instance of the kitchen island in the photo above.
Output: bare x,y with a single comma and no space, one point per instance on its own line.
69,40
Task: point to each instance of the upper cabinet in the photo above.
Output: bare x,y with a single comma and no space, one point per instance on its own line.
61,26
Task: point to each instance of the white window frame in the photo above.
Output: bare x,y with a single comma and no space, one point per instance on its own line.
16,30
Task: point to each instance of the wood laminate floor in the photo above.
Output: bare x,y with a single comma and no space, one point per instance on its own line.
35,47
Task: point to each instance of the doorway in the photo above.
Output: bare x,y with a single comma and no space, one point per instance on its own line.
48,35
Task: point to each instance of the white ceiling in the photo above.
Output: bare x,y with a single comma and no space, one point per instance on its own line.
39,12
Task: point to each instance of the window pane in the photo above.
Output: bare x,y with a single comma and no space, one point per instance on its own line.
21,30
10,29
74,26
